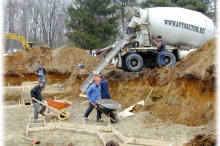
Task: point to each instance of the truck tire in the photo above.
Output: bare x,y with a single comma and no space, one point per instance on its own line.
134,62
169,59
123,65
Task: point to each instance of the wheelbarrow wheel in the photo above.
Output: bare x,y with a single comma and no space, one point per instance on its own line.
62,117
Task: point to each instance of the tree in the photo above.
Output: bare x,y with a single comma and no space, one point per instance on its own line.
92,24
49,19
39,21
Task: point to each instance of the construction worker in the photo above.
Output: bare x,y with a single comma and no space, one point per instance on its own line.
36,94
41,74
93,95
161,46
104,88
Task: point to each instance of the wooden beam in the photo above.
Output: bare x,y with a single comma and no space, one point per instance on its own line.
41,128
146,99
118,134
92,127
122,144
27,128
139,141
100,136
13,106
149,142
128,140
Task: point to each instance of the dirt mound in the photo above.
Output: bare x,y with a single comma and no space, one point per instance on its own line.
198,61
59,63
202,139
60,60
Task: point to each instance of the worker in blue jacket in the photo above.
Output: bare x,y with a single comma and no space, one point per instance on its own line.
93,95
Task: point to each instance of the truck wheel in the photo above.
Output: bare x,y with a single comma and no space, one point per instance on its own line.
123,65
169,59
134,62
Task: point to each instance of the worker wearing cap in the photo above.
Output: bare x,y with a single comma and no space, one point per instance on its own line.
41,74
93,95
161,46
36,94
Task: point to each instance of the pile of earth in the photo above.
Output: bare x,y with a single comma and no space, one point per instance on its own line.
202,139
184,93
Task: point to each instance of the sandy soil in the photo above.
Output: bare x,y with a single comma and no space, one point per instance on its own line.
142,125
183,97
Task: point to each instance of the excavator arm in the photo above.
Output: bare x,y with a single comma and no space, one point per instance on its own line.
26,45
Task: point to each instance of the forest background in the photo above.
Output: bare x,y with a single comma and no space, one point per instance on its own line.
88,24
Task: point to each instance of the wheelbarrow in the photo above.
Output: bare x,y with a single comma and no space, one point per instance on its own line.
57,106
108,107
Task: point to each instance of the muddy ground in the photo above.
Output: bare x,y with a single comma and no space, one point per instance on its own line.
183,96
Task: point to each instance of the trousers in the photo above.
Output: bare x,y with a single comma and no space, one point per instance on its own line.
161,58
89,110
36,109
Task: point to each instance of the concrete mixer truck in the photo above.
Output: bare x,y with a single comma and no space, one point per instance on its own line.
181,29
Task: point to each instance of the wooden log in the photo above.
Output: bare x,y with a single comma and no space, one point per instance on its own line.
128,140
100,136
28,125
146,99
118,134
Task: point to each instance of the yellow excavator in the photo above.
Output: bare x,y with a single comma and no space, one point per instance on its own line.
26,45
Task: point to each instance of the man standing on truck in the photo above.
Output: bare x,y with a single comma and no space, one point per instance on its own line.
161,46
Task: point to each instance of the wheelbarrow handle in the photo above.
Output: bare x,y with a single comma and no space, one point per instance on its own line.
27,138
33,140
101,111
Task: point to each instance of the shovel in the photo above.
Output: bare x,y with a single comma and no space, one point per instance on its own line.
33,140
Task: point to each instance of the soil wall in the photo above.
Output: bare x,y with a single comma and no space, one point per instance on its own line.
184,93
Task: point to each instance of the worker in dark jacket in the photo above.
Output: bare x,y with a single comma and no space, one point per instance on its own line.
106,95
36,94
104,88
41,72
161,46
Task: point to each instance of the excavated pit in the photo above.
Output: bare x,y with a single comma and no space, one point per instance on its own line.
184,94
